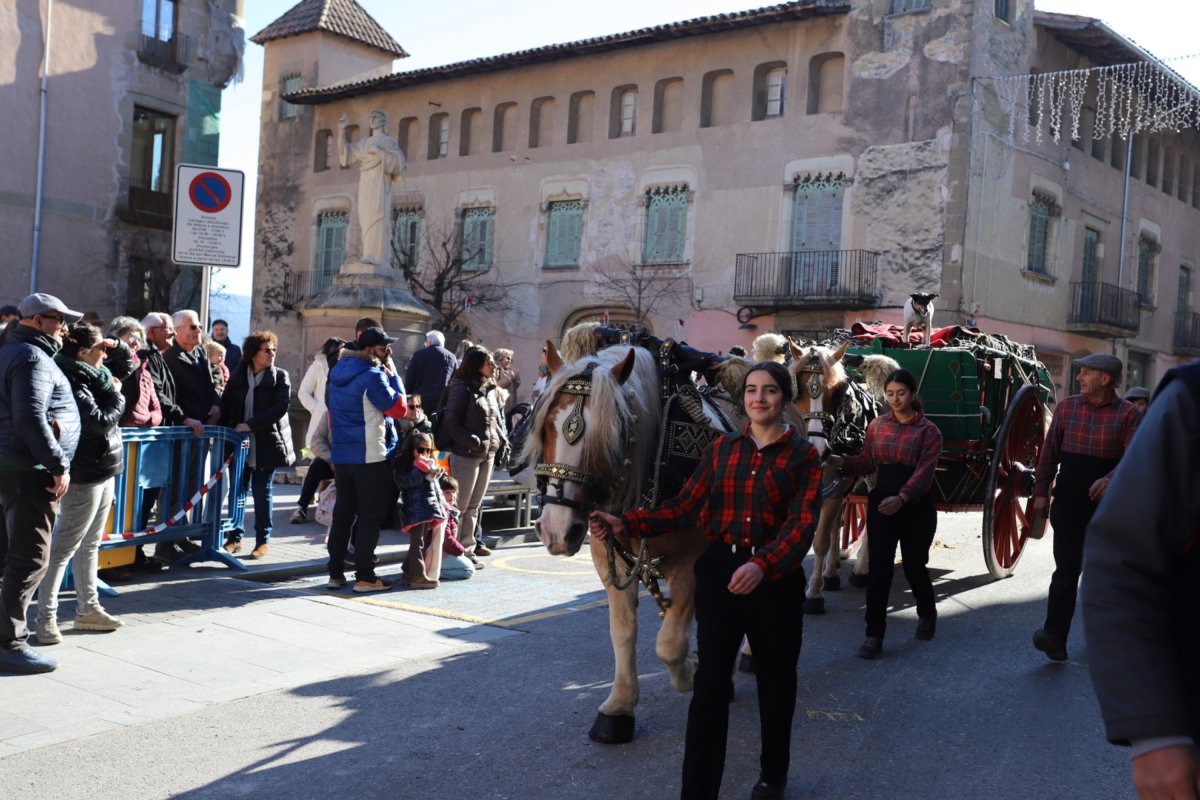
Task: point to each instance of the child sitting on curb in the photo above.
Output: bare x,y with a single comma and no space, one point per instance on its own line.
455,564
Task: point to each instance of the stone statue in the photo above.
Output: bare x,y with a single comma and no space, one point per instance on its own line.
380,162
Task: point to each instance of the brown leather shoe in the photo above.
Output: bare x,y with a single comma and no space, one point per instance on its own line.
233,548
482,549
260,551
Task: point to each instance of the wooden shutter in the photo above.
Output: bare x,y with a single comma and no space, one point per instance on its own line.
477,239
565,230
666,227
1039,237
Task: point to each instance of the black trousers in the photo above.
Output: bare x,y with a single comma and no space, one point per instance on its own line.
1070,516
363,491
912,527
319,470
772,617
27,515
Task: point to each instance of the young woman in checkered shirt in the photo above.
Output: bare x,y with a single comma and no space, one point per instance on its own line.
902,447
755,494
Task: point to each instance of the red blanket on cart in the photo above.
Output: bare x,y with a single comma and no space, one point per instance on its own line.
893,335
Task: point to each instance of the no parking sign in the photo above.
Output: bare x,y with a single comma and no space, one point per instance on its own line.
207,228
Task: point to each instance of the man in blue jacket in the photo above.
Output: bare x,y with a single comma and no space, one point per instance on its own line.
39,431
365,397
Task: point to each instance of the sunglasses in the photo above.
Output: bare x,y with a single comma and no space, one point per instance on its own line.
53,318
425,451
195,328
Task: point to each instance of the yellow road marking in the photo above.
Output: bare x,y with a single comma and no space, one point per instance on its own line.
835,716
506,622
506,563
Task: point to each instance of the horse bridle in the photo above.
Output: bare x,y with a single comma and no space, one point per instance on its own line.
554,475
815,387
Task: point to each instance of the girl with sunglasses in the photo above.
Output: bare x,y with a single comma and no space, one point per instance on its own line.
417,476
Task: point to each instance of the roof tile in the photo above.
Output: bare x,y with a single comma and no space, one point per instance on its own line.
342,17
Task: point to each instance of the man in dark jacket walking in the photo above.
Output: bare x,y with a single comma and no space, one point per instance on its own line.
39,431
429,371
1141,595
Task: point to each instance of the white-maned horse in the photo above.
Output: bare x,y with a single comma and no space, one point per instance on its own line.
834,407
593,441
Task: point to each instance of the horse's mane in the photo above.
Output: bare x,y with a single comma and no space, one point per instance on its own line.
578,341
770,347
875,369
730,373
633,407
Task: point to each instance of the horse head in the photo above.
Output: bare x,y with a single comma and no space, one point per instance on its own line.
590,440
820,378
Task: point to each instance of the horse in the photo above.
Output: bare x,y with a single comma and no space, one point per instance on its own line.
595,441
836,411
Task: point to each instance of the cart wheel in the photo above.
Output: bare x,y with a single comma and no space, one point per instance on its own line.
1007,503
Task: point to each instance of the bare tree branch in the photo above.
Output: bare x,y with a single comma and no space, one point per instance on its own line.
640,288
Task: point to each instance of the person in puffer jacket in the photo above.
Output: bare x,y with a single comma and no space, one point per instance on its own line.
98,460
39,432
365,397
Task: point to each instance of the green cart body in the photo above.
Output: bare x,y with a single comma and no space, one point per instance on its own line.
992,408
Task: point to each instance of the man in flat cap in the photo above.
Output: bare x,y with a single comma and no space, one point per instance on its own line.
1089,434
1140,397
39,430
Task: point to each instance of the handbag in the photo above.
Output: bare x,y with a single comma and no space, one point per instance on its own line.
326,500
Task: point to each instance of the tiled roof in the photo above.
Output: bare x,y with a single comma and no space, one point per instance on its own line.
786,12
342,17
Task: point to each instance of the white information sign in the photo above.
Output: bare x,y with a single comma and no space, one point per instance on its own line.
207,227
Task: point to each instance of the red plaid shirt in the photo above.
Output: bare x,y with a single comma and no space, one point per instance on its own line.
916,443
1101,431
748,496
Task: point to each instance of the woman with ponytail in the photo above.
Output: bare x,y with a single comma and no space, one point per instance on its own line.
99,458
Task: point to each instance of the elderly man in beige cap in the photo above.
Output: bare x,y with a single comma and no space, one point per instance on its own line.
1090,432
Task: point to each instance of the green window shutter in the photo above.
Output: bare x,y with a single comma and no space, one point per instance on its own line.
1039,237
565,228
331,247
666,227
1143,276
478,229
406,238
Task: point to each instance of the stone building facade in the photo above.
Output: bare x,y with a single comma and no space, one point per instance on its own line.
132,87
793,168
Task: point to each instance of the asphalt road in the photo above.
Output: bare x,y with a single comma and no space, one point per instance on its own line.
976,713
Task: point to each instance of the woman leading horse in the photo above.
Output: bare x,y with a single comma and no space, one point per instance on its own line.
754,494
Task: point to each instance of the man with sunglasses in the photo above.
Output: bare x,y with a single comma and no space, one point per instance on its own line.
39,430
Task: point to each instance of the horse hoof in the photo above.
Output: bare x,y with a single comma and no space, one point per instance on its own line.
746,664
612,729
858,581
814,605
833,583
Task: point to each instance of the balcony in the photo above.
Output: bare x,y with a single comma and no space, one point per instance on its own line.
816,279
1104,310
144,207
163,48
1187,333
299,286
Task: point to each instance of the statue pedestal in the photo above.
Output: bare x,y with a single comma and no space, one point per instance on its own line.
367,290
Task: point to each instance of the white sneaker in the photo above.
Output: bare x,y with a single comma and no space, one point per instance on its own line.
97,620
299,516
47,631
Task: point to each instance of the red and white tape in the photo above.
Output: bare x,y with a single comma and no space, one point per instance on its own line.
203,490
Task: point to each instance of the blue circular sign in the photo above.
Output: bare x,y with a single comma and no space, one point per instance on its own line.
210,192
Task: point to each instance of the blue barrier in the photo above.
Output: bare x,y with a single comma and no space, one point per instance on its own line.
173,464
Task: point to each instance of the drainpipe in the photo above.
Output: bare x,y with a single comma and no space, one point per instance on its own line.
1125,212
41,157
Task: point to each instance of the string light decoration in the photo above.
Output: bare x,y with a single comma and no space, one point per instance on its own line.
1130,99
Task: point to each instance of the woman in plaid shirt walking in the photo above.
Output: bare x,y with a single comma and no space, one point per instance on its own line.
754,494
902,447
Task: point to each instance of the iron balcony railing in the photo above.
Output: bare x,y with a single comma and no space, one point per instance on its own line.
144,207
299,286
163,48
1187,333
807,279
1104,309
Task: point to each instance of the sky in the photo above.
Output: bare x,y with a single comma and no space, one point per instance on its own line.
435,34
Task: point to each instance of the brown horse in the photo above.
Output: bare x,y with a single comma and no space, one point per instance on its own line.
836,412
593,441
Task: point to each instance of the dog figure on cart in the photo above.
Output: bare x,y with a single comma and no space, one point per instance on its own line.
918,313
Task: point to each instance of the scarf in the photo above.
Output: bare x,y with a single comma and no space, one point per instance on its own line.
92,377
252,382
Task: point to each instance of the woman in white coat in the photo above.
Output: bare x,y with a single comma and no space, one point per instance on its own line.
312,397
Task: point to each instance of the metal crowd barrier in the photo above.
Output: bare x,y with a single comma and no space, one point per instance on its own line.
191,477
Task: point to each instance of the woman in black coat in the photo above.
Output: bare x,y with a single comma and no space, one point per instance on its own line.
256,401
99,458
